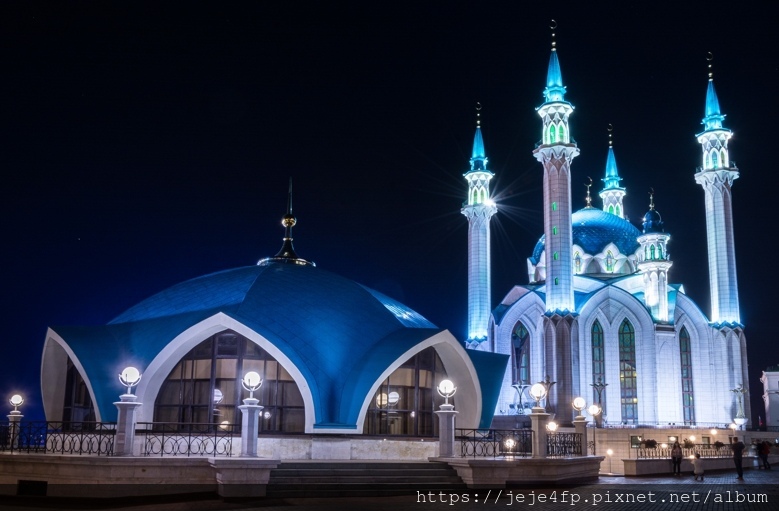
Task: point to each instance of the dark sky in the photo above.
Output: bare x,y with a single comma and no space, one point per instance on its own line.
145,144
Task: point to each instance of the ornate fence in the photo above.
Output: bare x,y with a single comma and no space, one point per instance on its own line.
563,445
705,450
92,438
494,443
174,439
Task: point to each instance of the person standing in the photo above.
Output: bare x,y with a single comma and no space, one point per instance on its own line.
738,451
764,449
676,458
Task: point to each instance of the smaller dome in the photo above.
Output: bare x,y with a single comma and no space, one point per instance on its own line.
653,222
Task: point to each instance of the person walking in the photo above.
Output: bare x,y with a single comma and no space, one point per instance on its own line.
764,449
676,458
697,466
738,451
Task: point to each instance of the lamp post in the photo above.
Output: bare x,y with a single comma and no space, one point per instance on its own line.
520,388
538,418
599,387
740,419
14,419
127,407
580,422
610,453
446,417
250,415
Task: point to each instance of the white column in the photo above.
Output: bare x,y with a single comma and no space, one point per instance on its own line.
250,426
446,417
538,420
14,423
125,424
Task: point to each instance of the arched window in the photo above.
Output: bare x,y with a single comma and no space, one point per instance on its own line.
598,364
556,281
205,387
617,211
714,162
706,161
609,261
475,196
688,401
554,230
724,158
611,209
520,342
577,262
554,206
652,252
552,136
659,251
555,256
561,134
628,378
404,403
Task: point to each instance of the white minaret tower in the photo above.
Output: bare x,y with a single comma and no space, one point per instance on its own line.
654,262
612,194
716,176
556,152
478,209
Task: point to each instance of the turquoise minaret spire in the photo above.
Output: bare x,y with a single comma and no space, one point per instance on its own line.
654,262
478,209
555,153
716,175
612,194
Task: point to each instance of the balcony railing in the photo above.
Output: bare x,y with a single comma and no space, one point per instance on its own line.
563,445
92,438
175,439
705,450
494,443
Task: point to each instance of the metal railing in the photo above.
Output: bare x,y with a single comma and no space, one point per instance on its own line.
705,450
663,425
563,445
494,443
175,439
91,438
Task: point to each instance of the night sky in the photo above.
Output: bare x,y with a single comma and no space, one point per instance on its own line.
144,144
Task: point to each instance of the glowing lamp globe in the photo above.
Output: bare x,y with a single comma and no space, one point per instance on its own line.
251,382
551,427
594,410
393,398
16,401
446,389
381,400
538,392
579,404
130,377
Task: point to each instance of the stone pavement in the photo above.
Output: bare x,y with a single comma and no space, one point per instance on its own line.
721,491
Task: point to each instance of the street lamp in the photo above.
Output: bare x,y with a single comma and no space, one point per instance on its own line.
579,404
130,377
446,389
520,388
740,419
610,453
551,427
538,392
251,382
16,401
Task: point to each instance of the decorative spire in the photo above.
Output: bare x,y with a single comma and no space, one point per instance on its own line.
555,90
612,179
478,156
651,199
287,253
652,222
713,119
588,199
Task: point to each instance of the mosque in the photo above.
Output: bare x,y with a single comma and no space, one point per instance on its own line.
600,317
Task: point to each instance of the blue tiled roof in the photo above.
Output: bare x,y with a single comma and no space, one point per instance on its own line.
340,335
593,229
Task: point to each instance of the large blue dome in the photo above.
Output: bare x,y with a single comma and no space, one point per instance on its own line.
594,229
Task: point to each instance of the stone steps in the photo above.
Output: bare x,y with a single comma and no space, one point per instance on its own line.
357,479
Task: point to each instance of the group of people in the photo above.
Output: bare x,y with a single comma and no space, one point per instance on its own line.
737,446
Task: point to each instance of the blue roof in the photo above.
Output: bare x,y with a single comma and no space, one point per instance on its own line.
555,90
612,179
478,156
339,334
713,119
593,229
653,222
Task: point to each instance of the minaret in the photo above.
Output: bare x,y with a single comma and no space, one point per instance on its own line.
716,176
287,253
654,262
556,152
478,209
612,193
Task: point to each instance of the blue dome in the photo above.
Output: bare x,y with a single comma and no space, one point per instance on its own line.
338,333
653,222
593,229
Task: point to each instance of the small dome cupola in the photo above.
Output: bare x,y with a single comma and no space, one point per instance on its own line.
652,221
287,253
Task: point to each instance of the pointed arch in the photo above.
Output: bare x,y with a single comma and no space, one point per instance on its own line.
552,134
685,353
561,134
577,262
652,252
611,209
714,160
598,363
628,377
724,158
617,211
520,352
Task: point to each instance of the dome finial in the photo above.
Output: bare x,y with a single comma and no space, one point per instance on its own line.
553,27
710,59
287,253
478,114
651,199
588,184
610,129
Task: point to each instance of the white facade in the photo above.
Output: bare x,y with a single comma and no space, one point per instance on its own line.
602,306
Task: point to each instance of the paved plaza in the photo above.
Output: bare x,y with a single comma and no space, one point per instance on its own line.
720,491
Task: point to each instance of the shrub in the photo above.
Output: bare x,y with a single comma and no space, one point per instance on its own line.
650,444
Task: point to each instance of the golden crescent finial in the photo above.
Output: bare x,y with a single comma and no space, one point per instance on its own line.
710,59
478,114
651,198
709,56
553,25
610,129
